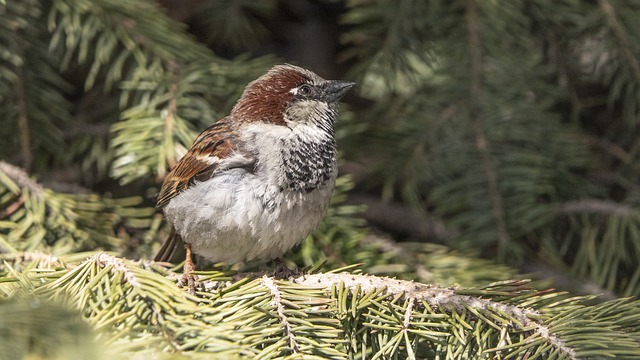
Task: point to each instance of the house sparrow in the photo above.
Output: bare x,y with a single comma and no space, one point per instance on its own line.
259,181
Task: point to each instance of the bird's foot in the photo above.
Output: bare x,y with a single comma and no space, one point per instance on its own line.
187,277
191,281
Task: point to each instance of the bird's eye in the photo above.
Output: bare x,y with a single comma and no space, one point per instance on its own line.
304,90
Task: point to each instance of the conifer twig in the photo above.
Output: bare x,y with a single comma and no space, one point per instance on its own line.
20,177
23,120
436,296
621,37
277,302
597,206
481,141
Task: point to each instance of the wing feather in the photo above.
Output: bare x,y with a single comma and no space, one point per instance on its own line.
217,148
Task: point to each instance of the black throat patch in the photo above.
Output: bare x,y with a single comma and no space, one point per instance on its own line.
309,165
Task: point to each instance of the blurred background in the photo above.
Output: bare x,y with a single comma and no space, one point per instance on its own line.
484,139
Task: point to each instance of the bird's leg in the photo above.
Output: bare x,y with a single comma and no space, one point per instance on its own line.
187,277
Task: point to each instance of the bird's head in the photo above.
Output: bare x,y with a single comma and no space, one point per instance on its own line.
288,95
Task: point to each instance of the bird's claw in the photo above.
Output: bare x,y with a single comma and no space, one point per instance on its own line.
191,281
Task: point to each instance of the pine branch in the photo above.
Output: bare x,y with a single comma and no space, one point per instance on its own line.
621,36
336,315
37,328
604,225
170,115
598,207
387,57
18,178
23,121
33,106
481,141
132,33
398,218
32,214
437,297
280,308
560,279
237,25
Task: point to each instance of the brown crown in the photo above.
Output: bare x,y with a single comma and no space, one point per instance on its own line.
265,98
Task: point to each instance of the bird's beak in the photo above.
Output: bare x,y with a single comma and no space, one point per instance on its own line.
336,89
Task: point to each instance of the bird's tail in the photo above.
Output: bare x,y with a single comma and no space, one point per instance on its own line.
172,250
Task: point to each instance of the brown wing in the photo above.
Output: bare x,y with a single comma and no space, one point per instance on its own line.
215,148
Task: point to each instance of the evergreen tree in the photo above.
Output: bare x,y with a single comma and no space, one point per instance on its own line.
509,129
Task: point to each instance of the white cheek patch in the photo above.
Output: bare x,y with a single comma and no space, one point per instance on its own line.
310,111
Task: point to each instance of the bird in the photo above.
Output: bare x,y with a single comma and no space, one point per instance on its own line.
257,182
